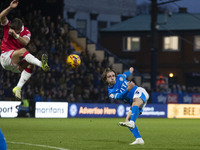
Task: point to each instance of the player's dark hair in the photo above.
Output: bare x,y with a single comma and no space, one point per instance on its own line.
104,74
16,24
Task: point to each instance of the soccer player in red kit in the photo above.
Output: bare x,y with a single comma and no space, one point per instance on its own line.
14,56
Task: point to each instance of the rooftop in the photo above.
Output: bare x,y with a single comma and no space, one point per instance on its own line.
179,21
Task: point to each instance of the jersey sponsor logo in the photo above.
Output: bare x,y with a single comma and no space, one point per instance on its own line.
123,87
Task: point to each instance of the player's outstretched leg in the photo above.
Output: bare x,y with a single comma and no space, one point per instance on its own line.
17,92
45,65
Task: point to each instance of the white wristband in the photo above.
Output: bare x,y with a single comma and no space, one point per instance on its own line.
17,36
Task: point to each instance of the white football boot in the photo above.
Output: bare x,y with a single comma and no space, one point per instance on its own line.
129,124
138,141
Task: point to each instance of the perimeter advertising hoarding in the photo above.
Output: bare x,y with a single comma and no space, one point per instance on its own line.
154,111
170,98
183,110
9,109
84,110
163,98
96,110
51,110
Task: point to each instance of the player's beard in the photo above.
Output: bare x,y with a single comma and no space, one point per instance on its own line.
112,82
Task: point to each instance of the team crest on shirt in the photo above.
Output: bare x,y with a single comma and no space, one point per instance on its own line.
121,79
111,96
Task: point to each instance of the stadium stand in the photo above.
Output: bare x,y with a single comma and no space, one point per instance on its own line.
61,83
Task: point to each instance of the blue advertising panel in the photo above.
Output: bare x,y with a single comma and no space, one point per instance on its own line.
154,111
88,110
185,98
159,98
96,110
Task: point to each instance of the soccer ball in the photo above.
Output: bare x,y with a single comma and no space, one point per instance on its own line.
73,61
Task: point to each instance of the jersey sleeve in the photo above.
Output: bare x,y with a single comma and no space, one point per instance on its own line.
27,34
118,95
127,74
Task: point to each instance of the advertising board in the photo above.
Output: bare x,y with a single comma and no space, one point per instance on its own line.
51,110
183,110
9,109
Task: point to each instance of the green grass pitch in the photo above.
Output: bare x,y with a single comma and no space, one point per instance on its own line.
99,134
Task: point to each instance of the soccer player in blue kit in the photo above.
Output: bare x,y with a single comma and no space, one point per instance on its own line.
120,88
3,145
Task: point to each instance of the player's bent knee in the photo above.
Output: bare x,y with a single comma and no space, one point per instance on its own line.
137,102
23,50
20,52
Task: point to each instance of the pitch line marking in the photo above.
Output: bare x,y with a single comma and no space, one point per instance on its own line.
38,145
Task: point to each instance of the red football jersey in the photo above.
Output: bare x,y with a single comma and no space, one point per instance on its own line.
9,42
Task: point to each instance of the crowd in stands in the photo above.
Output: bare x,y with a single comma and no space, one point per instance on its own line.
60,83
164,87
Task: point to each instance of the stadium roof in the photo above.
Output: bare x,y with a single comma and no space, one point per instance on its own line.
181,21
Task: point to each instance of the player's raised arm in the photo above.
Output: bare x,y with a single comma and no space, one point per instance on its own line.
128,73
6,11
131,69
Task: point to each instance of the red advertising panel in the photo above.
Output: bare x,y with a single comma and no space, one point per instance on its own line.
172,98
196,99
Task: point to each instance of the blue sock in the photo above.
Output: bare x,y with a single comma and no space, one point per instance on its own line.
135,132
135,113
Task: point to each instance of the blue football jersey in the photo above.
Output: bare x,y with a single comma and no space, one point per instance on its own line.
119,90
